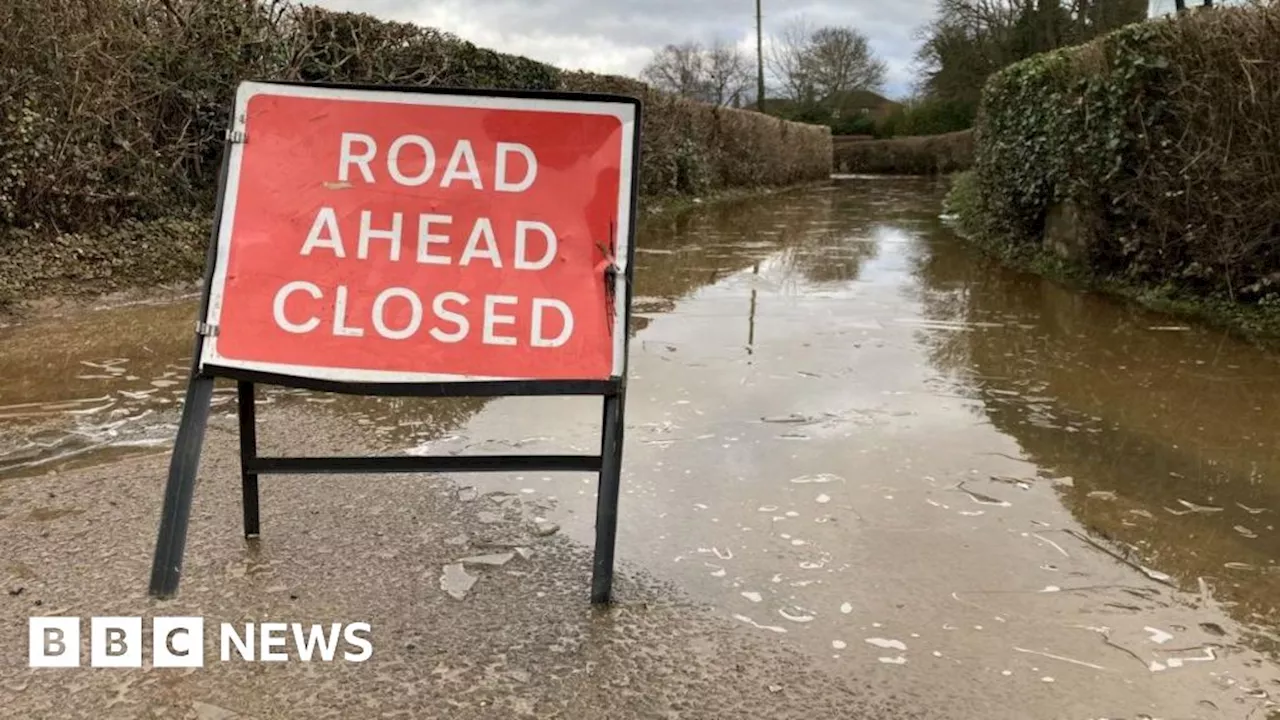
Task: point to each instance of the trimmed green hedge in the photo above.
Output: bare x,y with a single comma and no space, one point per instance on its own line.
692,148
113,115
930,117
922,155
1163,141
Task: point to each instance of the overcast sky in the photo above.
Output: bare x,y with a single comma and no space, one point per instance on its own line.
619,36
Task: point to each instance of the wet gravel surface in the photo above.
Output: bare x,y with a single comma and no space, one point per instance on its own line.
521,641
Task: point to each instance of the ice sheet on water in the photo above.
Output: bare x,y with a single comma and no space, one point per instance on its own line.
818,478
456,581
494,559
753,623
797,614
887,644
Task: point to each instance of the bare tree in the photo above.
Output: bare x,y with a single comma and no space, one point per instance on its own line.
815,65
720,74
728,74
840,59
970,39
788,60
678,69
1094,17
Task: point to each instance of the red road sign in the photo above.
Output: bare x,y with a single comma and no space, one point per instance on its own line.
381,236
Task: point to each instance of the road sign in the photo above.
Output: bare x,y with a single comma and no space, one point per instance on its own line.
415,242
421,237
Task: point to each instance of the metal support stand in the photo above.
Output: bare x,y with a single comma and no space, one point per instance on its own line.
183,468
184,465
607,500
248,456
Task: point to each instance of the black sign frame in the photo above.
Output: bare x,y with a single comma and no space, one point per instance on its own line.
184,462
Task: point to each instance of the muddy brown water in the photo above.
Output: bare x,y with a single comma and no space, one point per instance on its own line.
848,430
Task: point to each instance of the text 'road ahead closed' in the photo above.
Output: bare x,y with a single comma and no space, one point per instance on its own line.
383,238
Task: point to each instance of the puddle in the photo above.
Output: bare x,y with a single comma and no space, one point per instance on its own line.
107,383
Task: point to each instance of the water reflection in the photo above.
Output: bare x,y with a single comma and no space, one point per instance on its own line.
811,451
1166,430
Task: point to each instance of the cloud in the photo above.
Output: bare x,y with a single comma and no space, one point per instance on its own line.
612,36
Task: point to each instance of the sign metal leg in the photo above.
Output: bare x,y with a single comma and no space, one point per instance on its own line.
184,465
248,454
607,500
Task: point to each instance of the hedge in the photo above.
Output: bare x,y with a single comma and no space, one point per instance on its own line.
924,155
691,148
114,113
1161,141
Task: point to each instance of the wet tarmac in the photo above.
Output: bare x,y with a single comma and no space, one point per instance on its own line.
888,466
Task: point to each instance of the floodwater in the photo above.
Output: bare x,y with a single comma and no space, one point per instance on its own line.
849,431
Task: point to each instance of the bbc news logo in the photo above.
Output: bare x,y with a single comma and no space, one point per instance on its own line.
178,642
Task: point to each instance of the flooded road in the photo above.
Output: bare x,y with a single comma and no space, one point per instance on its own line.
850,432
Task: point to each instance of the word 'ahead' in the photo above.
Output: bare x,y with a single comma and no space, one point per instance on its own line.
380,236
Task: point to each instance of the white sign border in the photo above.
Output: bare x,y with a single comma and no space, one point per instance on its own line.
624,112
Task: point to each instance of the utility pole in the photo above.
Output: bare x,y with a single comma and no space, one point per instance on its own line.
759,59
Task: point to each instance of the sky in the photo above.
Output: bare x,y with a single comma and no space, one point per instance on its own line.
620,36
